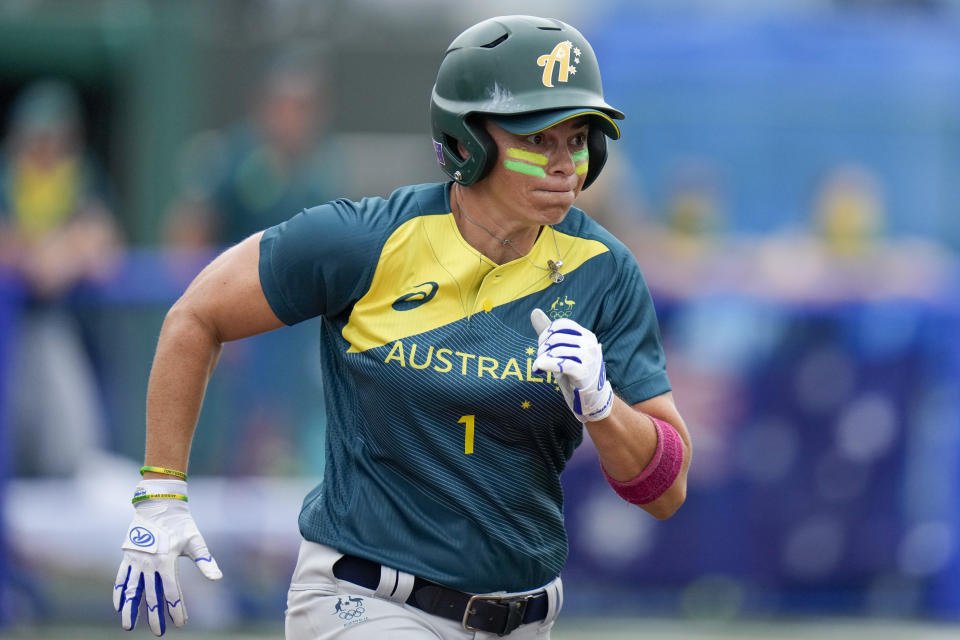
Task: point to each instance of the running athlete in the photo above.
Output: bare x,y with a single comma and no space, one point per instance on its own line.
470,330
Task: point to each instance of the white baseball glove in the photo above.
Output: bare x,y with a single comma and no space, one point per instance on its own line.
574,356
162,530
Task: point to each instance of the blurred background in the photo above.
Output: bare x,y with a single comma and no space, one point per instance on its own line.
788,177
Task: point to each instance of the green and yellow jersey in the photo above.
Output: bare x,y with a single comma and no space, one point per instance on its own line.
444,447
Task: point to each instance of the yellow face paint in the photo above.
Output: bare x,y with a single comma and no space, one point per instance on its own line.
526,162
581,160
528,156
531,164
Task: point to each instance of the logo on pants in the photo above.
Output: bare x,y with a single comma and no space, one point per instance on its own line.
350,609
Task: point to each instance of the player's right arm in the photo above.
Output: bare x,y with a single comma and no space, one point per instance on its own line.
224,302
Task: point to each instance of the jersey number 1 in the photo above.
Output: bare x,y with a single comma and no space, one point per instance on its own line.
468,437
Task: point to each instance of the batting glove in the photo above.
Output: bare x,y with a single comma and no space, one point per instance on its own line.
574,356
162,530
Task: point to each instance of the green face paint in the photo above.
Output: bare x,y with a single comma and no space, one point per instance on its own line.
526,162
523,167
523,161
580,158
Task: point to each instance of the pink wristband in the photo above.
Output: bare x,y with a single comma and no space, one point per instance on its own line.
660,474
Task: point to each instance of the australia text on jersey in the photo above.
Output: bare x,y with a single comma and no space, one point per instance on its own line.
444,360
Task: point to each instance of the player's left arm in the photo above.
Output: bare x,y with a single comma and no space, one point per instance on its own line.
627,442
644,448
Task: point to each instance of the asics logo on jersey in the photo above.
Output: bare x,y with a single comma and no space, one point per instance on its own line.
413,300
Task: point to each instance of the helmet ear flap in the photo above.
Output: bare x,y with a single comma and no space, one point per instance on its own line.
486,143
452,158
597,149
481,149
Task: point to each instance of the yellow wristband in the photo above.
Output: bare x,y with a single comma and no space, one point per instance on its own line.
140,497
167,472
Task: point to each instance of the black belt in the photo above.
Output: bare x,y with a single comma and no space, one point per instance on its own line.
493,614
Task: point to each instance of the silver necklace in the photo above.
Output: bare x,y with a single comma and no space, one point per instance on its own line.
553,266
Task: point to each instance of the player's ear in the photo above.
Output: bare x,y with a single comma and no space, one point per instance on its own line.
462,150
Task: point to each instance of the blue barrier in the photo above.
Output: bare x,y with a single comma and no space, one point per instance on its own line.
830,487
11,295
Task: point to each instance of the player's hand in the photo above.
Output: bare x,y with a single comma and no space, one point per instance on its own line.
574,356
162,530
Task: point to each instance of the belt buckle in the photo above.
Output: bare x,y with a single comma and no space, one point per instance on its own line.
514,613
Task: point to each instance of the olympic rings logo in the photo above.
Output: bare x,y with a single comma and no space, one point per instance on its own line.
349,608
350,614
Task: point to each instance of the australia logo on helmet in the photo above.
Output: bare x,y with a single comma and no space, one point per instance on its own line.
559,58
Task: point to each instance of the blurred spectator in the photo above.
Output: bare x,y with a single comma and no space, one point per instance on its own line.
845,251
841,250
689,250
695,223
848,211
262,170
56,230
254,174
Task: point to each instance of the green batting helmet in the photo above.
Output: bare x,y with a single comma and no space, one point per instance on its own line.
526,74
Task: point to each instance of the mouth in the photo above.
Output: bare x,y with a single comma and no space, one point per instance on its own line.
555,188
555,184
554,192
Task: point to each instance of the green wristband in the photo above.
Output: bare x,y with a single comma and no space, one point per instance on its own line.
167,472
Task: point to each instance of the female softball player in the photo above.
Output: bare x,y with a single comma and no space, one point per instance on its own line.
470,330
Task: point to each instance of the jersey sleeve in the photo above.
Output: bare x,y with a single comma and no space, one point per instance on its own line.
319,261
630,335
